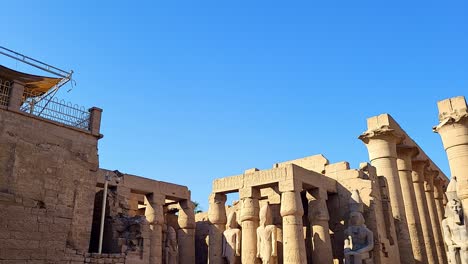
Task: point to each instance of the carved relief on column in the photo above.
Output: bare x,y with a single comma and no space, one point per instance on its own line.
405,155
419,166
155,216
429,176
293,237
249,221
218,219
318,218
381,144
186,233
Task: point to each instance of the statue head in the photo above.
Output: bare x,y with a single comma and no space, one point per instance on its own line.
265,215
232,220
453,209
356,219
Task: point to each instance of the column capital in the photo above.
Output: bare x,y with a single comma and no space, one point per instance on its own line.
451,110
317,205
186,217
429,176
407,151
419,167
291,204
438,189
217,210
405,154
384,132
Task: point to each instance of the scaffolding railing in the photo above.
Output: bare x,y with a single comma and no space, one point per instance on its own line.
56,109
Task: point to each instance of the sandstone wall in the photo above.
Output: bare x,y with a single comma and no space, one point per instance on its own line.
47,187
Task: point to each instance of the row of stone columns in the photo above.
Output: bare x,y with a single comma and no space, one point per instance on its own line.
411,190
154,214
292,211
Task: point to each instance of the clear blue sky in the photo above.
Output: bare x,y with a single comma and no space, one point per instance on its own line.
197,90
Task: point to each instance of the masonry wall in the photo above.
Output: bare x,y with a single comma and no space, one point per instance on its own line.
47,187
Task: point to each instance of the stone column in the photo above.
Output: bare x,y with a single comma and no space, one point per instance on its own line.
439,201
218,220
318,218
381,145
426,224
155,216
186,233
439,197
429,176
453,129
16,96
293,235
249,221
405,155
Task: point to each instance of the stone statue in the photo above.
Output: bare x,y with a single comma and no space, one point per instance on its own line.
359,240
171,249
232,240
455,232
266,237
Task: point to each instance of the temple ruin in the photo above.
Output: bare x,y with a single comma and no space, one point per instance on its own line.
58,206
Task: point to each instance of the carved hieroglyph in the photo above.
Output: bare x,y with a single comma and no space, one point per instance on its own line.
359,240
266,237
232,240
454,226
171,249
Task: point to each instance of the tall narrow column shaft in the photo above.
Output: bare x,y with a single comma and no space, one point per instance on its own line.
453,129
218,220
426,223
249,222
405,155
429,176
318,218
381,145
439,197
186,233
155,217
293,237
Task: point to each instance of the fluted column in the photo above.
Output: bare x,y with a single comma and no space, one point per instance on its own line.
405,155
155,216
186,233
453,129
249,222
318,218
218,219
426,224
293,236
429,176
381,145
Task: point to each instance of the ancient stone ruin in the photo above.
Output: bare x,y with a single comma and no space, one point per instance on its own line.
58,206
